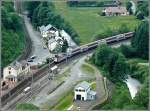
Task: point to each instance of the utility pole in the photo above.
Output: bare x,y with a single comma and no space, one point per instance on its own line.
49,71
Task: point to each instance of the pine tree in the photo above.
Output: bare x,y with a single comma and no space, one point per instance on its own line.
140,40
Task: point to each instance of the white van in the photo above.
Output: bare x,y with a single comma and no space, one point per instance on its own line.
27,89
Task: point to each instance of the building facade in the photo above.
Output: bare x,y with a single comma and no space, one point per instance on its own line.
115,11
83,92
15,71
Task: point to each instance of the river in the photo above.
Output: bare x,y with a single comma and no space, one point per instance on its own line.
133,86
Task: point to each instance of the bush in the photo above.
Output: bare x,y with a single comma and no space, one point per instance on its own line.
103,14
128,51
140,16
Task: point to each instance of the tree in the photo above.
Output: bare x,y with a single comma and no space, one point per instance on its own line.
140,15
120,70
128,6
143,8
31,6
128,51
65,46
101,55
140,40
112,61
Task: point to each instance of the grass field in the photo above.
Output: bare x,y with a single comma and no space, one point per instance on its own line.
88,23
87,68
65,102
93,85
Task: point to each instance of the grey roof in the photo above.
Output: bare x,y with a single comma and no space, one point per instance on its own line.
24,63
51,40
42,28
16,65
47,27
92,92
85,85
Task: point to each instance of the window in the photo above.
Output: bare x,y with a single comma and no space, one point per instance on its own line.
9,72
23,67
76,90
9,68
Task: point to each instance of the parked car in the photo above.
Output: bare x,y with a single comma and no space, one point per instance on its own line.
30,60
33,57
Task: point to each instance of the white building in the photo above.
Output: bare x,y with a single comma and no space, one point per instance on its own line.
52,43
83,92
48,31
15,71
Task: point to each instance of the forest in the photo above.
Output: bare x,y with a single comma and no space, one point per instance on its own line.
12,34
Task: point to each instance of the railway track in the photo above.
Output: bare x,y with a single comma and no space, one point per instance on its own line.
36,76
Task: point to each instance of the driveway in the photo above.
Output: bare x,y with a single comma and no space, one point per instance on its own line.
38,49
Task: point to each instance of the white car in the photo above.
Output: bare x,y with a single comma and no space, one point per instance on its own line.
33,57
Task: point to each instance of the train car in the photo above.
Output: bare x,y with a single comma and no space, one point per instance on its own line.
111,39
120,37
59,58
74,52
102,41
84,48
92,45
129,35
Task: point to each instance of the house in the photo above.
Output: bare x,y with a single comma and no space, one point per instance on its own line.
83,92
48,31
52,43
15,71
115,11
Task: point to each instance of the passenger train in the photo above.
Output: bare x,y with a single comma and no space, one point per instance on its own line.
93,45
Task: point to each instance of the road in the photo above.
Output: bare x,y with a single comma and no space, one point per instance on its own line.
37,45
